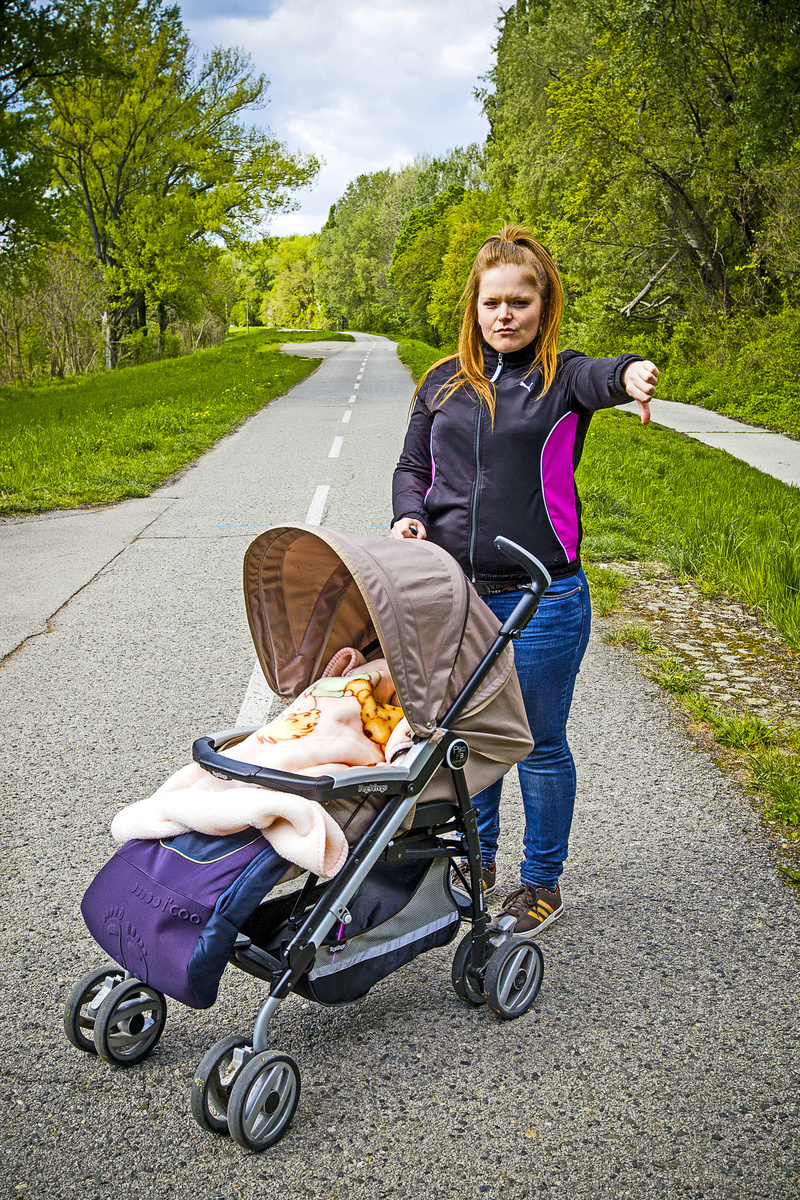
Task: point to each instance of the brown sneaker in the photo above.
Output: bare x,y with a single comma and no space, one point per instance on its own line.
488,874
534,908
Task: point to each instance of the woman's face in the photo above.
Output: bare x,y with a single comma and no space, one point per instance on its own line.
509,308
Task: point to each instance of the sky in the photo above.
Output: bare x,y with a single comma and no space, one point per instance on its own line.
363,84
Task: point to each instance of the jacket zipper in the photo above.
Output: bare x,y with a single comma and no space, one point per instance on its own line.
473,533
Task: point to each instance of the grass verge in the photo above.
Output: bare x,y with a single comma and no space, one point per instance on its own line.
770,753
295,335
650,493
108,437
418,356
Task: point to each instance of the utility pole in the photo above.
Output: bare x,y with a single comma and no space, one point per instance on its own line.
247,310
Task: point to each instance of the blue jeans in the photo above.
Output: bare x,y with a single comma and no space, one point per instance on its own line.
547,656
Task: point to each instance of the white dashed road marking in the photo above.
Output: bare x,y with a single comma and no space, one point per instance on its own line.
336,447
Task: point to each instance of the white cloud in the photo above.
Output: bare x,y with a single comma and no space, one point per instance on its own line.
364,86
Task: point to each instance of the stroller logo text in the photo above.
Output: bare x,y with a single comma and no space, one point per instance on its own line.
372,787
166,905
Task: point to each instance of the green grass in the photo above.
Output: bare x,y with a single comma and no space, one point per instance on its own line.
633,635
295,335
651,493
605,585
107,437
418,356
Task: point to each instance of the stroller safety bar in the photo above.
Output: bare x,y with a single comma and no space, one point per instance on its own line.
204,753
313,787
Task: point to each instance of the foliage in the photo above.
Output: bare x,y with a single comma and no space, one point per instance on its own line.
37,44
110,436
355,248
163,162
290,299
50,325
380,252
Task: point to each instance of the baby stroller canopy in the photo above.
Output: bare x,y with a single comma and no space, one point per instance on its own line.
310,592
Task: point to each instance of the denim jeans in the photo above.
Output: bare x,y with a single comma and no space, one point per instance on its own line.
547,656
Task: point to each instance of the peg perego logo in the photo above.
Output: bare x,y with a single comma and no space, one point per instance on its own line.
166,903
366,788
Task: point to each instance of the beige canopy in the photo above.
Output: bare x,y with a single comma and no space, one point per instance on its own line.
311,591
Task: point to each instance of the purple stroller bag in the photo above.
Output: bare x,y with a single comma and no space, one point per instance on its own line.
169,911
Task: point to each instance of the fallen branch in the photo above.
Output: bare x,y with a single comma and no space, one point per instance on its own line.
627,309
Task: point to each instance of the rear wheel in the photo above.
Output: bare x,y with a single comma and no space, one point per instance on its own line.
513,977
263,1100
465,983
130,1022
83,1005
213,1081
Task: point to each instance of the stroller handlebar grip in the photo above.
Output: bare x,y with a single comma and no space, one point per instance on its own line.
221,766
539,575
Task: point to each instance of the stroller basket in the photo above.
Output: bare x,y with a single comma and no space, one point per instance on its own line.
401,910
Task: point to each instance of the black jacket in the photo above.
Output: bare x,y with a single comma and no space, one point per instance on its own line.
468,482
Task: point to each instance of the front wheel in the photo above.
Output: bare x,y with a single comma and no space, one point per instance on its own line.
84,1003
465,983
263,1100
130,1022
513,977
216,1075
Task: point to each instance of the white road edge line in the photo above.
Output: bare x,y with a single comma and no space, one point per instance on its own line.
335,448
259,698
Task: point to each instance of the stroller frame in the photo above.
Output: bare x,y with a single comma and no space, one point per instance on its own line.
240,1087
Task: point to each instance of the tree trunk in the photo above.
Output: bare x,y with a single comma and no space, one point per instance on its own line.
163,321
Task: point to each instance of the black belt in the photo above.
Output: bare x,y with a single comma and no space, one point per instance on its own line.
494,589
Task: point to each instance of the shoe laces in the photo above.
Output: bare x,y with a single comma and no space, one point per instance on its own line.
520,901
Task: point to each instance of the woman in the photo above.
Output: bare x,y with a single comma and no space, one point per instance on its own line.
494,438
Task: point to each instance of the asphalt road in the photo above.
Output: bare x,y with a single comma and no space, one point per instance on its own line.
662,1057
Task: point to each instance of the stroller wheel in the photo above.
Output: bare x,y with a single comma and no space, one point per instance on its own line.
83,1004
465,984
263,1100
129,1023
213,1081
513,977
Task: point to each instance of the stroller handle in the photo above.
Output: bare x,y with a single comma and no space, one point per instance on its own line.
204,753
539,575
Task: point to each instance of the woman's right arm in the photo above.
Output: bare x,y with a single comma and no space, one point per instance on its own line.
413,476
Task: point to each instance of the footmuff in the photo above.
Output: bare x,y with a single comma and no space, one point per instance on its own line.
169,911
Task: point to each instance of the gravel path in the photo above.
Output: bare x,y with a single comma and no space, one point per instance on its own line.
662,1057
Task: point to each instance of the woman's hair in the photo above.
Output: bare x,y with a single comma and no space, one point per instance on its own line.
516,246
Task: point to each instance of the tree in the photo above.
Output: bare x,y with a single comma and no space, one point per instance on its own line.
291,299
37,44
161,162
355,248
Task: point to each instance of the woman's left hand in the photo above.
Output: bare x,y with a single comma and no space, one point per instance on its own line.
640,384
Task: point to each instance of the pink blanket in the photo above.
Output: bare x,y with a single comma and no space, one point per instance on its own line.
346,719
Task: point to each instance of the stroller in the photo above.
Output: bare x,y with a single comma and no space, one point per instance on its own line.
173,913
